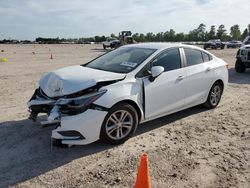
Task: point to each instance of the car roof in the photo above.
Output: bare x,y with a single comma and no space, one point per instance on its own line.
159,45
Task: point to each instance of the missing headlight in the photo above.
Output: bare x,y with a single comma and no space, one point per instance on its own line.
74,106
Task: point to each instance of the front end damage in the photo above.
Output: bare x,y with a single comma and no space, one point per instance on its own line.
76,118
69,96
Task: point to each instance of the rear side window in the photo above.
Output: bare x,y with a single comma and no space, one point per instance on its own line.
206,57
193,56
170,60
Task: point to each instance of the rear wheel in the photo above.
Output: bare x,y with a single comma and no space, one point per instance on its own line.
239,66
104,47
117,44
119,124
214,96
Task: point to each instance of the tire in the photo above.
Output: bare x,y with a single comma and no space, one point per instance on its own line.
111,46
104,47
113,130
214,96
58,143
239,66
222,47
117,45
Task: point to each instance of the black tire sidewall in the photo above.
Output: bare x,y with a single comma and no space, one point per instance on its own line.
120,106
208,103
239,66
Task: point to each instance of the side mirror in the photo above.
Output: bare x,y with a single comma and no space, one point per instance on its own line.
155,72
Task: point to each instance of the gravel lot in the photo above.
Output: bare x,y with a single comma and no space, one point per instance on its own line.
191,148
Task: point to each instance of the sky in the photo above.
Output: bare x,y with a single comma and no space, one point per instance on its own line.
29,19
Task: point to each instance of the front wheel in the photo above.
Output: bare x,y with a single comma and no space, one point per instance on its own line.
214,96
119,124
239,66
104,47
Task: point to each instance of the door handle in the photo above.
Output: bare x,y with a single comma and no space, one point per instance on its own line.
180,78
209,69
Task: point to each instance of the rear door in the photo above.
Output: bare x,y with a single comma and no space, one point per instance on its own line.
199,69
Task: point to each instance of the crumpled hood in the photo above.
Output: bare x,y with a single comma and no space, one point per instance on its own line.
72,79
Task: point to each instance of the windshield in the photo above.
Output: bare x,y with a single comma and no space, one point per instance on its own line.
247,40
121,60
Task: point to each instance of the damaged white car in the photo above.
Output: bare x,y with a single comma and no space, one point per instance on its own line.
108,97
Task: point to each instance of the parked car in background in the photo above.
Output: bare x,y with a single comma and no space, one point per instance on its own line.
234,44
110,42
214,44
109,96
243,56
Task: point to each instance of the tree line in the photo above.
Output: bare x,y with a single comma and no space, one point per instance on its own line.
198,34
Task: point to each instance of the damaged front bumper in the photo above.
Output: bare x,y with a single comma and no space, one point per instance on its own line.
78,120
80,129
40,103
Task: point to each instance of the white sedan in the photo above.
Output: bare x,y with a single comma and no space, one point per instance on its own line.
109,96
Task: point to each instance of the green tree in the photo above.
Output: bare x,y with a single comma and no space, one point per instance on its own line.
211,33
166,36
158,37
136,37
100,38
112,35
142,37
192,35
198,34
150,37
235,32
201,30
221,32
179,37
171,35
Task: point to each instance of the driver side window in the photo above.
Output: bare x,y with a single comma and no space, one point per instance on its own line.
169,59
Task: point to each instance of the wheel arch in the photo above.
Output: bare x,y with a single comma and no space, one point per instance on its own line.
134,104
207,103
221,83
127,102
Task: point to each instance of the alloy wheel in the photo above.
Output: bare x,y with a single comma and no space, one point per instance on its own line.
215,95
119,124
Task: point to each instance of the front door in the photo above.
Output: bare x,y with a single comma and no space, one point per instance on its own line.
166,93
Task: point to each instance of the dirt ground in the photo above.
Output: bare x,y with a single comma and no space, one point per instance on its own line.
191,148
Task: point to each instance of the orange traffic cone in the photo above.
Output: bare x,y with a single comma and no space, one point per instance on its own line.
143,178
51,57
